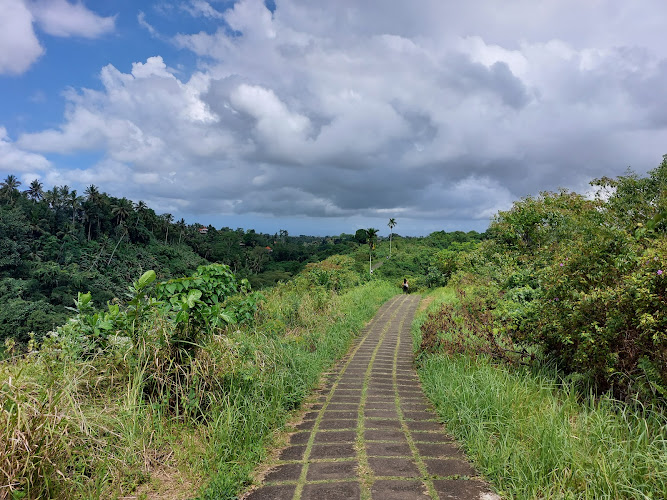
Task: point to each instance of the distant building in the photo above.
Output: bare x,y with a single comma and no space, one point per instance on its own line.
203,230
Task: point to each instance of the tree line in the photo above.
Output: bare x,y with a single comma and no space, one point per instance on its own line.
57,242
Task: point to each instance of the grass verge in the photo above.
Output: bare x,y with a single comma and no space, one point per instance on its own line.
533,436
247,417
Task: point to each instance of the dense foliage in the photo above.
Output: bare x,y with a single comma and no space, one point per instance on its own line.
56,243
108,398
426,262
526,425
581,282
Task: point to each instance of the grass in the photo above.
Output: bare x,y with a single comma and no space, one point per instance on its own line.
534,436
248,417
131,421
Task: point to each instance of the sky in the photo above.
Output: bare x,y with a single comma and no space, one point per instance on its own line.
323,117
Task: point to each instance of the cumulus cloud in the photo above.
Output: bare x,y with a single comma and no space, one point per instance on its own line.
443,112
64,19
19,45
15,159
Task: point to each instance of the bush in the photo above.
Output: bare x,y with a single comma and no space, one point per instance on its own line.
584,281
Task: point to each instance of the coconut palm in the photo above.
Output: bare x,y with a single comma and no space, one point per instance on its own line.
35,192
9,188
167,219
181,225
63,193
74,202
371,239
391,224
93,207
140,208
51,198
92,193
122,210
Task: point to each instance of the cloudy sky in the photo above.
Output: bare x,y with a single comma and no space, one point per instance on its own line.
321,117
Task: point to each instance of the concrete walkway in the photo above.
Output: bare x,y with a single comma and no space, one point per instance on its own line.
372,434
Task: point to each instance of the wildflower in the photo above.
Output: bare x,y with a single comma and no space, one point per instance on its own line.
561,264
659,271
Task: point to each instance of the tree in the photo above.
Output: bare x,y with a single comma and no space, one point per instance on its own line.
181,226
391,224
361,236
92,193
140,208
167,219
63,192
122,210
35,191
93,208
51,198
371,238
74,202
9,188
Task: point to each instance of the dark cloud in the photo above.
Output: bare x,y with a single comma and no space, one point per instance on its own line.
470,78
440,113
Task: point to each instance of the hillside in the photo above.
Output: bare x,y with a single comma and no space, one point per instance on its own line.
56,243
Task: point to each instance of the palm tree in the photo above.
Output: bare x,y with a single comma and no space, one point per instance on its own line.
74,202
121,210
9,188
93,207
391,224
181,226
92,193
35,192
371,235
140,209
167,219
64,193
51,198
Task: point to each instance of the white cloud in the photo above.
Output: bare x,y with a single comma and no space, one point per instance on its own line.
14,159
141,19
446,110
200,8
19,46
64,19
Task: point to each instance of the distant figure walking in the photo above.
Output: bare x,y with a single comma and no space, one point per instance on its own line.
405,285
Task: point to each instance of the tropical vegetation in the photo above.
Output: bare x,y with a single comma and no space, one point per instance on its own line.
56,243
545,356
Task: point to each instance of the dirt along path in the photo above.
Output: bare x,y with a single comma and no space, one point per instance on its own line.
372,434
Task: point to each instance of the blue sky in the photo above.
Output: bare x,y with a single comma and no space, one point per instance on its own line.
324,117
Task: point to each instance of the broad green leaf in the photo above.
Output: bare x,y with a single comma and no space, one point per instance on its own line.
193,297
146,279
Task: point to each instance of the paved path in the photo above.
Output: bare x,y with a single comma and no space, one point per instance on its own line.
372,434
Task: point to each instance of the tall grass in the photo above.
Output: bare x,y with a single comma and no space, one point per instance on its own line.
100,426
65,432
534,436
258,401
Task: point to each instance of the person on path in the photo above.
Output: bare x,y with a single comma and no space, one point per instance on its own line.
405,285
